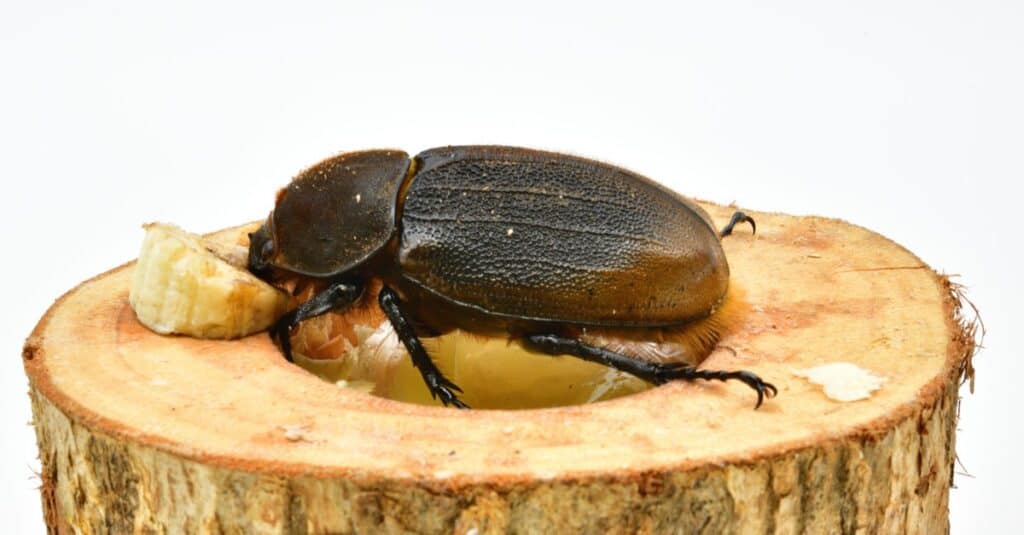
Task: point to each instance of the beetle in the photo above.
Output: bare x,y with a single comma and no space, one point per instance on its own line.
500,241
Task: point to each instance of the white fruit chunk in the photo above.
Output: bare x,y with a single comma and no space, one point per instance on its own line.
180,286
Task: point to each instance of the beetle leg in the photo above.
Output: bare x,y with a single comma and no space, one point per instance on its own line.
438,384
737,218
651,372
336,296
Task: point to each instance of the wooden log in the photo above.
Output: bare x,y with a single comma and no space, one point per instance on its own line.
140,432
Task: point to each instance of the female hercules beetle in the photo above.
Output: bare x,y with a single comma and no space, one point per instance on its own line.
499,240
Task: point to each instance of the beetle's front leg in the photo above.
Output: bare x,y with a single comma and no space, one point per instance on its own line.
651,372
438,384
337,296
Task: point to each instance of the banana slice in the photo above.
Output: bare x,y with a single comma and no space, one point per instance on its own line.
180,286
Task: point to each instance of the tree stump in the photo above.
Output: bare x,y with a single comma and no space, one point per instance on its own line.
149,433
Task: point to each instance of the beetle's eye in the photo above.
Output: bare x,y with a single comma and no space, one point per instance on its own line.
267,250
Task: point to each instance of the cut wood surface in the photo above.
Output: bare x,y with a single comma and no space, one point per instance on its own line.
139,431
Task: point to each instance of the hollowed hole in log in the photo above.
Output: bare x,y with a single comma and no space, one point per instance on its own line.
493,373
358,349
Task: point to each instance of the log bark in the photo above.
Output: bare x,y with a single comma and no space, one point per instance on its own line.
139,432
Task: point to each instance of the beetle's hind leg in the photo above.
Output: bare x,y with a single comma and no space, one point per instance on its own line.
651,372
738,217
439,385
338,295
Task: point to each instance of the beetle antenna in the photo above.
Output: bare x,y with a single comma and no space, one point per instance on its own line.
737,218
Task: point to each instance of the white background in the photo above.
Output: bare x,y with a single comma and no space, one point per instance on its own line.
904,117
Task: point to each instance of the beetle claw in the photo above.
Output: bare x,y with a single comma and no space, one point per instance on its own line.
755,382
669,372
443,389
738,217
443,382
454,401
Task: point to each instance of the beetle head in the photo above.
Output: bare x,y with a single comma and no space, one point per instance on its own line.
261,248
